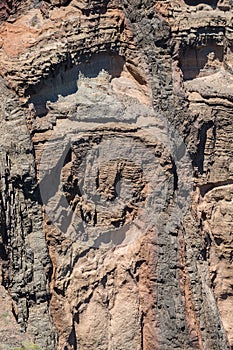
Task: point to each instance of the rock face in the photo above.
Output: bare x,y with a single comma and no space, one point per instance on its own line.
116,174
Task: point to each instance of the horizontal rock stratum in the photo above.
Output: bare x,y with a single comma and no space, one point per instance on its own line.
116,174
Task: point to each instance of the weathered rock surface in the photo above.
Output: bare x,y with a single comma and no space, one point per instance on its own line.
116,174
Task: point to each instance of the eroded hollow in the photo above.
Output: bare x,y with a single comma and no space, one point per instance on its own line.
212,3
63,78
199,61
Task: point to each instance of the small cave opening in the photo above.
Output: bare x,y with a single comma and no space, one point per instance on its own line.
200,61
212,3
63,78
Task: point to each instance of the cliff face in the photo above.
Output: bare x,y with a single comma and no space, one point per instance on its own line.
116,174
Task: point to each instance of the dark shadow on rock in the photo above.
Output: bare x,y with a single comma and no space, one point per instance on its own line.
197,59
63,78
212,3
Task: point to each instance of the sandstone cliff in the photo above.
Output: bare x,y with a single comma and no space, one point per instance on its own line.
116,174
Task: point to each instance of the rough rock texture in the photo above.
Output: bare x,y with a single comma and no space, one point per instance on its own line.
116,174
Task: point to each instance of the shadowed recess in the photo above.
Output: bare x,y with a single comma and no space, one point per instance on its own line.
202,60
63,78
212,3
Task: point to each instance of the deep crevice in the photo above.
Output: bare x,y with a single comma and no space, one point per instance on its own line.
198,158
142,327
72,341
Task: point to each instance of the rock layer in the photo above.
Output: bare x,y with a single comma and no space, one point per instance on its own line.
116,173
